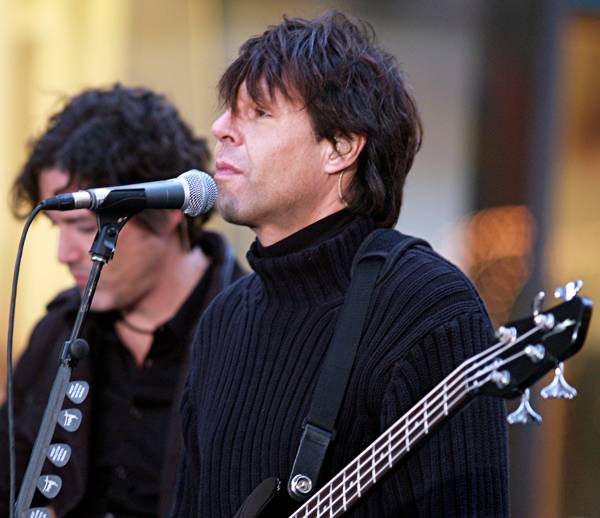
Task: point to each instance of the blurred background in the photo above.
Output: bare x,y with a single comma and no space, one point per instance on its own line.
507,184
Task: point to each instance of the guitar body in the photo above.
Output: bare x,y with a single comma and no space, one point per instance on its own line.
268,500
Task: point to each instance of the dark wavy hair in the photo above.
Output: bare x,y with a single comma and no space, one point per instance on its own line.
115,136
349,86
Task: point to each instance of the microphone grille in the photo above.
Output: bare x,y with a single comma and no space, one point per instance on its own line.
202,192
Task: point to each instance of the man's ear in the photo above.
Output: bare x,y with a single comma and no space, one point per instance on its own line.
343,153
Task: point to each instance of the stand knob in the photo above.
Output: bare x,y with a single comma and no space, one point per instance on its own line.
559,388
79,349
524,414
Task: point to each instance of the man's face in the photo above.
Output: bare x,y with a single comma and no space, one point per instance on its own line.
270,167
129,277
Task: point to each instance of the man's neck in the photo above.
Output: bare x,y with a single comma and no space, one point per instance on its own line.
280,228
312,235
179,274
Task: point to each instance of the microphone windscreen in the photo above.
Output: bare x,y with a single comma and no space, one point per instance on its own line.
202,192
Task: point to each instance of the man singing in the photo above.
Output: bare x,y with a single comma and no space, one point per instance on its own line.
165,271
318,134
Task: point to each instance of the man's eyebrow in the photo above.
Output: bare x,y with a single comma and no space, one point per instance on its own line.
73,219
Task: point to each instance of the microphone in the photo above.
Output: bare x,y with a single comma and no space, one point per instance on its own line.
193,192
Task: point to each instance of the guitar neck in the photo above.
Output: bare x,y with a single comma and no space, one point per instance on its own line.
526,350
383,454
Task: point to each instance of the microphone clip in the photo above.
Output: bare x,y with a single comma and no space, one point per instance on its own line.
118,207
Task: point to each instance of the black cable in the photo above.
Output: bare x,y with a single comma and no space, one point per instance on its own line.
9,364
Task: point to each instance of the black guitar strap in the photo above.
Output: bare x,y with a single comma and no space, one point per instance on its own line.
373,261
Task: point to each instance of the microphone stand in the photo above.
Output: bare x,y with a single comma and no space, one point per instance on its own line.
111,218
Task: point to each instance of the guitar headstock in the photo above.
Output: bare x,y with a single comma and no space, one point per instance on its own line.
529,348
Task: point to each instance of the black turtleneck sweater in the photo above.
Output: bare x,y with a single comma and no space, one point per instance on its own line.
256,358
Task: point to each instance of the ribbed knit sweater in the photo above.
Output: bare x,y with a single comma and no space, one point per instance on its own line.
256,359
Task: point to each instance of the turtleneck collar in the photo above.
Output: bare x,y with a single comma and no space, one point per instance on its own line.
312,235
312,265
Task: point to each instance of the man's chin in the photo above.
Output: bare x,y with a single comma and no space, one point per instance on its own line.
230,212
101,302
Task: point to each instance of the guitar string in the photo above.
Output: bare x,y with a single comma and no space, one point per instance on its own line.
375,462
390,460
444,385
404,418
372,461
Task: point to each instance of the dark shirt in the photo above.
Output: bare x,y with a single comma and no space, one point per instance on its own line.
256,357
108,359
132,406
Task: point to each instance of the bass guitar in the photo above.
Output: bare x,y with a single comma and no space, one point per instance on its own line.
525,351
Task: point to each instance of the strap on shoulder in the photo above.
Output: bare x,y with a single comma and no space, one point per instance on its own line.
387,244
374,258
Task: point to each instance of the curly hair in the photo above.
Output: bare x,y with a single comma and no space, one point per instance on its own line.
349,86
115,136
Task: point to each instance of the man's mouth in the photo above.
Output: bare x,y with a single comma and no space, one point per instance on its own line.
224,169
80,278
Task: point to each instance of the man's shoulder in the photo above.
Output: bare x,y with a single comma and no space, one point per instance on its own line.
56,319
239,290
66,300
48,334
420,276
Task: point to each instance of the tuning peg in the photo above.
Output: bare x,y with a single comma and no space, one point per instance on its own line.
559,388
538,303
506,334
569,290
524,414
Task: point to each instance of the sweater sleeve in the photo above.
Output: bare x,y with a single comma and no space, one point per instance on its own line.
460,470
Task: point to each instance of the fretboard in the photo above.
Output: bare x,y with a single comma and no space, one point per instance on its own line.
373,463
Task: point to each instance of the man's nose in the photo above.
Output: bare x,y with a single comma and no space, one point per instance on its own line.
70,249
223,128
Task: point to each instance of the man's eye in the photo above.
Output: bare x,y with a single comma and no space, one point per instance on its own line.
261,113
87,229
